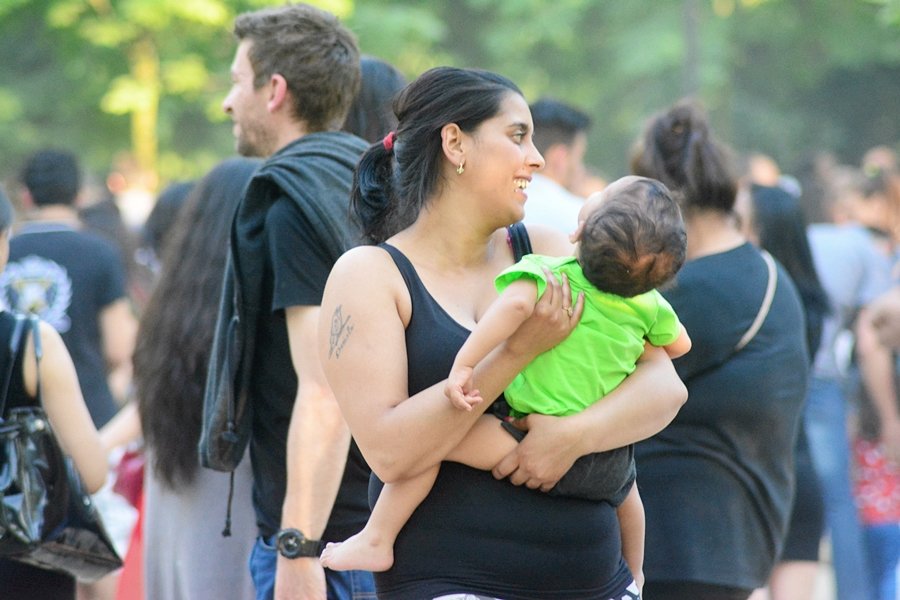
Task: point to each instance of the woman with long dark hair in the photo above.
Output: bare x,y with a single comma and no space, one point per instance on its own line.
185,556
773,219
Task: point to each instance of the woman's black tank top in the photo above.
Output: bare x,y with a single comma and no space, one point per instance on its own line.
478,535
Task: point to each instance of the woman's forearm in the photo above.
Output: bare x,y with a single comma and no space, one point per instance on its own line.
426,427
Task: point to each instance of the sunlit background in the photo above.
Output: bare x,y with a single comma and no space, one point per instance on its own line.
135,86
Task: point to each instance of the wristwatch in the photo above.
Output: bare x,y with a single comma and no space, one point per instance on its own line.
291,543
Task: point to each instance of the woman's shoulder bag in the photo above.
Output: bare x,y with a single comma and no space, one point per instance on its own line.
47,518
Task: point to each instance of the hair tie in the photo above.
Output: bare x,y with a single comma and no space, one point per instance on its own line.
388,141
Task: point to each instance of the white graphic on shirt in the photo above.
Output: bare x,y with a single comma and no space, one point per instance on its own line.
40,286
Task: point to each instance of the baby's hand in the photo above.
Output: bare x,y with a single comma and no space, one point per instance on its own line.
459,389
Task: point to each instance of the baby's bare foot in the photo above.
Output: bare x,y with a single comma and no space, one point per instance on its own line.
358,553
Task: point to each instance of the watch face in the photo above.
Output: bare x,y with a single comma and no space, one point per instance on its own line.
291,543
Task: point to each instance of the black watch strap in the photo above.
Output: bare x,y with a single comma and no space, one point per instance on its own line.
291,543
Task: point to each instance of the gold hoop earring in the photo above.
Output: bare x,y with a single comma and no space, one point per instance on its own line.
461,168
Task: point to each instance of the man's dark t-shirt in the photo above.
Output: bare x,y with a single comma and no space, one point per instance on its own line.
67,277
295,268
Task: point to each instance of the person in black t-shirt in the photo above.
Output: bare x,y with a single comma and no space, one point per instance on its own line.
294,76
69,418
717,483
72,279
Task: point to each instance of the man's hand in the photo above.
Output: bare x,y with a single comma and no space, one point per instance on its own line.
299,579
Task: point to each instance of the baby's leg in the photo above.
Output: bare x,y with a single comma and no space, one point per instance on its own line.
486,444
372,549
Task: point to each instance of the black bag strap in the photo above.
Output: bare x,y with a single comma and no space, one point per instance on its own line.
15,341
517,237
38,354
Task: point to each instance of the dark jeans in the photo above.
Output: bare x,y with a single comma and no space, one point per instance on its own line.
341,585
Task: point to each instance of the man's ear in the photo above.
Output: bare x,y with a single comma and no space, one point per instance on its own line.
453,143
26,198
278,93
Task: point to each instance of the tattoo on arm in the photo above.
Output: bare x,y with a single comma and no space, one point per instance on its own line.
341,329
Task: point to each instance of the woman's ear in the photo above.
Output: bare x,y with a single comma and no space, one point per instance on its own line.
452,143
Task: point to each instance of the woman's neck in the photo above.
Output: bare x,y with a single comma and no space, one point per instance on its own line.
711,232
448,239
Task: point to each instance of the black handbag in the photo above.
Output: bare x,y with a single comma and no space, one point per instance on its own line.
47,518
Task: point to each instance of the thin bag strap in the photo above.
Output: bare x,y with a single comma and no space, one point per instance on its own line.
14,342
766,303
517,237
38,354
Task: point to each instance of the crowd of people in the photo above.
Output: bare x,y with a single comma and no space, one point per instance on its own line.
409,346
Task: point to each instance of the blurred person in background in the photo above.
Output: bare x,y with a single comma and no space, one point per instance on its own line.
560,135
371,115
876,445
185,556
153,235
72,279
718,482
61,397
853,271
75,281
772,218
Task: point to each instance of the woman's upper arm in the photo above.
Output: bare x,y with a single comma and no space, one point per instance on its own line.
64,404
362,343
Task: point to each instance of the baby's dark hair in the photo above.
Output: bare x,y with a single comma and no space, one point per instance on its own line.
634,241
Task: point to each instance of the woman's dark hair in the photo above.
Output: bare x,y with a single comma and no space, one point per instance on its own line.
781,227
176,329
161,220
7,214
678,148
371,116
388,199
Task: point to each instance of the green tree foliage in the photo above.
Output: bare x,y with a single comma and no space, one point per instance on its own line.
147,77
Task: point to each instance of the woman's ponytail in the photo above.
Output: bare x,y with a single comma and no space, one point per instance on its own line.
372,195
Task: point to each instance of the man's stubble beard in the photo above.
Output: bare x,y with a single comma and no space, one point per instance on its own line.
259,144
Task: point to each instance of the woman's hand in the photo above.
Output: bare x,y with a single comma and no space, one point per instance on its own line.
544,456
552,321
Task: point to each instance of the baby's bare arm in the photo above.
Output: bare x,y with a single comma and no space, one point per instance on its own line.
501,320
681,346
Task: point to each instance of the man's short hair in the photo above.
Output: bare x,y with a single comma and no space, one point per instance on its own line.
52,177
557,123
316,55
